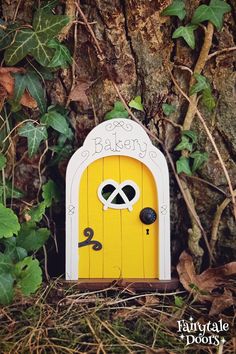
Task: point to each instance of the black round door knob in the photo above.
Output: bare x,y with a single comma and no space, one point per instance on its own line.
148,216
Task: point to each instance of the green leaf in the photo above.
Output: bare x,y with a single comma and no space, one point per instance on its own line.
118,111
213,13
200,85
30,238
137,103
56,121
15,253
49,25
19,87
177,8
29,275
35,135
50,193
190,134
183,166
9,224
36,90
185,144
10,192
6,288
3,161
179,302
187,33
199,159
168,109
62,57
37,212
46,26
208,99
5,263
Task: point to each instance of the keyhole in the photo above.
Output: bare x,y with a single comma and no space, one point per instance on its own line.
147,231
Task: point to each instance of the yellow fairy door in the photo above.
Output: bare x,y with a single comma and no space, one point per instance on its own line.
118,220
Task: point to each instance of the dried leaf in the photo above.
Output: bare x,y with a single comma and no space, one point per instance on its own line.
79,93
7,82
205,285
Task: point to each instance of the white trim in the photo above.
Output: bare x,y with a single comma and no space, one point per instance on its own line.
118,137
128,204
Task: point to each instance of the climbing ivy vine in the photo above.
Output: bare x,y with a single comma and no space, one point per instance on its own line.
38,53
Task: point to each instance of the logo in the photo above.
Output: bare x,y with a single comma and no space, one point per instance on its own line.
210,333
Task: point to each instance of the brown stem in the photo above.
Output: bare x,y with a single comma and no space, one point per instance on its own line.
203,57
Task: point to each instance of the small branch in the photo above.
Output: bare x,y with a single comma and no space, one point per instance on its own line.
219,52
216,221
203,57
201,180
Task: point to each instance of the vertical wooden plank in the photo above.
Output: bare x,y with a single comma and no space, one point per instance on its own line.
132,240
95,217
112,225
83,223
150,232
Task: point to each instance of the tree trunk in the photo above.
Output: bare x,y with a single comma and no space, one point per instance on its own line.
138,53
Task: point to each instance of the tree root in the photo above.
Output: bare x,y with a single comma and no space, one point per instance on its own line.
216,221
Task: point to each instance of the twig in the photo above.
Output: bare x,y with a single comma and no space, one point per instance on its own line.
219,52
197,70
216,221
201,180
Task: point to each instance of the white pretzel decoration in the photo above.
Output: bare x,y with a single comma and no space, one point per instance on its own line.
128,204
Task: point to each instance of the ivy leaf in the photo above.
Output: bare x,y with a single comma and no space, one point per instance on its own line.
36,90
31,82
185,144
50,193
118,111
183,166
208,99
213,13
190,134
30,238
168,109
35,135
5,263
6,288
199,159
136,103
62,57
15,253
177,8
9,224
34,41
29,275
3,161
200,85
37,212
187,33
56,121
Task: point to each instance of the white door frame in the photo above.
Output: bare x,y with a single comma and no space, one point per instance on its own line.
117,137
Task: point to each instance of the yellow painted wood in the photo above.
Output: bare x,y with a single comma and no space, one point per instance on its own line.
83,223
112,225
128,252
132,240
95,216
150,232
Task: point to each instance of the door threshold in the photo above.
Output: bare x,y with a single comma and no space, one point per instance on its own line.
130,283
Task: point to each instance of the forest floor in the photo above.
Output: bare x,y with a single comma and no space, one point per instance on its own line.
59,318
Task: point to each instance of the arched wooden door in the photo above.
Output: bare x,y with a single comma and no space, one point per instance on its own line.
113,241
